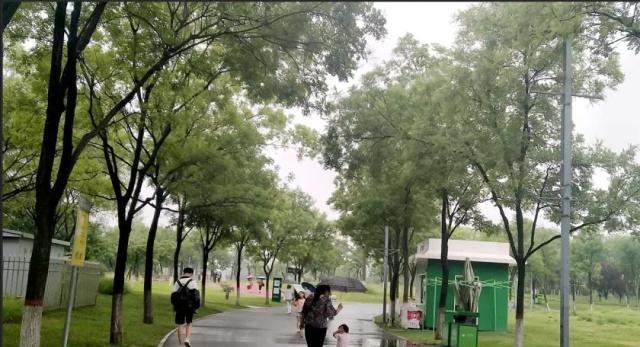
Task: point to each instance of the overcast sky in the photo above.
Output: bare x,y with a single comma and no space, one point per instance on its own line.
614,121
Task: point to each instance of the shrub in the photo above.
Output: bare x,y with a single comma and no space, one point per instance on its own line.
12,310
106,286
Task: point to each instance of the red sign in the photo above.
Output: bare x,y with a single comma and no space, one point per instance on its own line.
414,315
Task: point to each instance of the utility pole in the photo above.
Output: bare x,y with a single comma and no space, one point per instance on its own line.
565,182
385,274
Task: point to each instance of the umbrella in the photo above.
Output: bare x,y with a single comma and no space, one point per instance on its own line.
308,286
467,289
344,284
474,286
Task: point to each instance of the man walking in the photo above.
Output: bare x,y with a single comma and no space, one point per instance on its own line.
185,299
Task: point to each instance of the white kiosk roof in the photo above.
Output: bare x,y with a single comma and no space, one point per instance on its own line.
476,251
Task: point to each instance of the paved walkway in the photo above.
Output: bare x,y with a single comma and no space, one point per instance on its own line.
270,327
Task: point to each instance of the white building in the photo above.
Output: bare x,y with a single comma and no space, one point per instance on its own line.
17,244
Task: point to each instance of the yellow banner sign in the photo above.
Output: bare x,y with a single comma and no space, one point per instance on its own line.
80,238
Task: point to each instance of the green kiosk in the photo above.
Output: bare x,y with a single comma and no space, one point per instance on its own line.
276,293
490,262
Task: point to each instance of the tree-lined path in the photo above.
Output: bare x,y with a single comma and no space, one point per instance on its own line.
270,327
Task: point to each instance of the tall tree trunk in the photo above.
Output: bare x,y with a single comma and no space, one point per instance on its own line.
405,246
148,263
266,286
412,281
590,288
37,279
115,336
205,260
46,198
8,10
444,264
395,278
521,265
179,239
267,274
519,333
239,262
405,265
364,266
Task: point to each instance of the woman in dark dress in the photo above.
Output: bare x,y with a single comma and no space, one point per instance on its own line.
317,312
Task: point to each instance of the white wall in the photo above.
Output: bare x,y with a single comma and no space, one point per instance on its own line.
22,247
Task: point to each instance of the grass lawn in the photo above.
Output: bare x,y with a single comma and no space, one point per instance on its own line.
90,325
610,324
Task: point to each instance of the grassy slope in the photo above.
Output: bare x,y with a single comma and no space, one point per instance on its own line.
90,325
609,324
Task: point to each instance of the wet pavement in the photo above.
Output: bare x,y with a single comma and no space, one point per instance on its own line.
270,327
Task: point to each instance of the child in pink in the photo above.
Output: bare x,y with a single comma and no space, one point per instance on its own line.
298,304
342,336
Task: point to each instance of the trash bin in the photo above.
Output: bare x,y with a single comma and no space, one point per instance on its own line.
411,316
462,331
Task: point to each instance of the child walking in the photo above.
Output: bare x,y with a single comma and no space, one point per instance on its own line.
342,336
298,305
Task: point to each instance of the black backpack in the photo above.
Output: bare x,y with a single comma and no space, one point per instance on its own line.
182,298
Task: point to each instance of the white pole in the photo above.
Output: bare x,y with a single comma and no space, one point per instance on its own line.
495,311
435,288
70,303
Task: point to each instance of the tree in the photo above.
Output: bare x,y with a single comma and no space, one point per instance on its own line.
309,234
627,261
170,30
212,232
131,150
612,281
277,230
615,22
61,99
587,254
242,236
505,62
368,205
370,140
8,10
544,265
